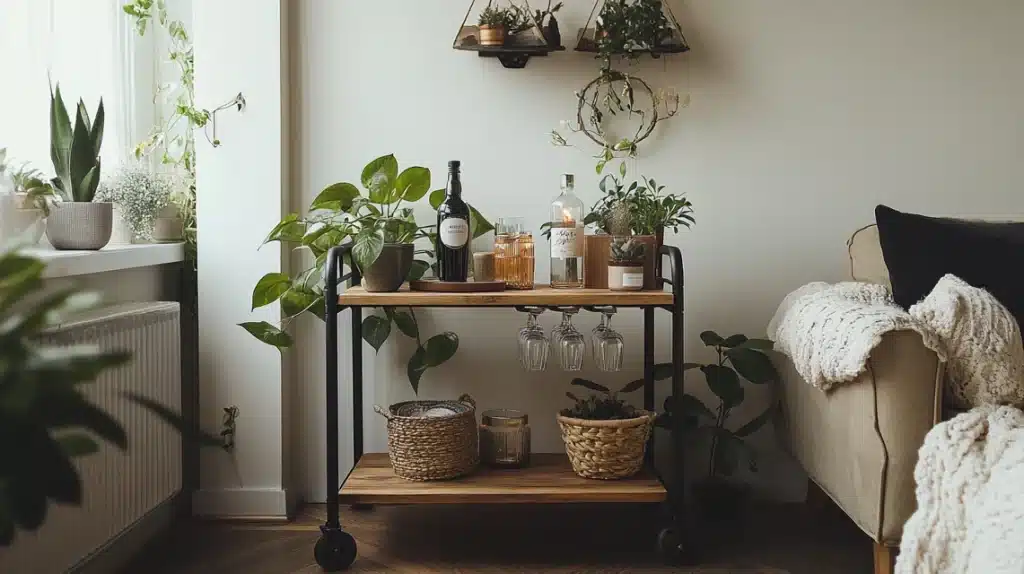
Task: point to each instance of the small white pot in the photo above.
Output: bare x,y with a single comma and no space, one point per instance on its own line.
20,221
625,277
78,225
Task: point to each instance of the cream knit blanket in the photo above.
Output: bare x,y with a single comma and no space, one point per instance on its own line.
829,331
970,497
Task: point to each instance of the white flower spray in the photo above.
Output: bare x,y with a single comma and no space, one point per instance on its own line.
141,195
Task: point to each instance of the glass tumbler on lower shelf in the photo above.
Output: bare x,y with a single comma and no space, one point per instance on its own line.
504,438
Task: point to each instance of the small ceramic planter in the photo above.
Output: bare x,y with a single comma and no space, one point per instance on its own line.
20,220
625,275
169,226
492,35
80,225
390,270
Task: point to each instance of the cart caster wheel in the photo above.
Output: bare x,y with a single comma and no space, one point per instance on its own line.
335,551
670,546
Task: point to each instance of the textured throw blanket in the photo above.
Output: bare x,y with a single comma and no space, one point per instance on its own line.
829,331
970,497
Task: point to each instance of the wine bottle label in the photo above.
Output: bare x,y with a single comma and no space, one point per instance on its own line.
632,279
566,242
454,232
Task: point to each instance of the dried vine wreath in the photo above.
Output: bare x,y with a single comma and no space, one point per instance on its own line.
613,93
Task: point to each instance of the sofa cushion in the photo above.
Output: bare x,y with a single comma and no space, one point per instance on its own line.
920,250
866,261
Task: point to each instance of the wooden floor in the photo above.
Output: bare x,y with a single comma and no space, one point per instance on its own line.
515,538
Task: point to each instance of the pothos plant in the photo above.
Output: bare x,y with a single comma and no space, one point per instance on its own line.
626,26
379,214
738,357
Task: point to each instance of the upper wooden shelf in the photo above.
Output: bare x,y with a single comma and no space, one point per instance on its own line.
541,295
548,479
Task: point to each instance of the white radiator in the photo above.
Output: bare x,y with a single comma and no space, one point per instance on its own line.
119,488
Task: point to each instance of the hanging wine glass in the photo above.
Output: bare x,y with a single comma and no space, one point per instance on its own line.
607,344
558,331
534,345
571,345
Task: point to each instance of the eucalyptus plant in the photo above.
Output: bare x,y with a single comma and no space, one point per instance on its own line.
340,213
75,151
46,421
738,358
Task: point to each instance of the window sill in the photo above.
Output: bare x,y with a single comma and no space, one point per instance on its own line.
110,258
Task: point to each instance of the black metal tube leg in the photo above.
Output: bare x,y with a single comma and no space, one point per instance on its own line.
649,373
357,384
331,309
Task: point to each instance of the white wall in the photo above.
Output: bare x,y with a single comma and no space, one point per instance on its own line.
805,115
240,190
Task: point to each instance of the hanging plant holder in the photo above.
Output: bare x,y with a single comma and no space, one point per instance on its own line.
631,28
512,47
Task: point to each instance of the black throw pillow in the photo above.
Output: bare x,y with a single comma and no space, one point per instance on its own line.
919,250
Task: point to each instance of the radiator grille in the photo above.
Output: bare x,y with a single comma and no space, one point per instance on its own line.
119,487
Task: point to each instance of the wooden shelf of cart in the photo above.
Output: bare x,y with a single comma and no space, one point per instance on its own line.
548,479
542,296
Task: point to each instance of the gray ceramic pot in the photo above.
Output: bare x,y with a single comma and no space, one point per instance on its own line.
389,271
78,225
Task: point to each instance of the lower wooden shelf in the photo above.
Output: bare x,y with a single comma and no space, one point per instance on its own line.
548,479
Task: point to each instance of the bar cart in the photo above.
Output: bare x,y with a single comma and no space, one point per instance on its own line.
549,478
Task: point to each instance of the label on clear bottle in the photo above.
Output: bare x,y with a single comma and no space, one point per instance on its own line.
633,279
566,242
454,232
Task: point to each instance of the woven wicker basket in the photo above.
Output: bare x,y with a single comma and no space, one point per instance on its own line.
432,440
606,449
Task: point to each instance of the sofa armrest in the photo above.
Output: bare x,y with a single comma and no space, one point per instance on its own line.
859,441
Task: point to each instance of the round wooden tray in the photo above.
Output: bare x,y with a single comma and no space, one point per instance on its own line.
456,286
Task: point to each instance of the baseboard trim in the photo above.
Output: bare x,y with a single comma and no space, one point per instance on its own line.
123,548
247,503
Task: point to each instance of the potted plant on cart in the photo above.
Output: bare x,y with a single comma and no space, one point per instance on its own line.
626,264
605,437
76,221
493,25
383,232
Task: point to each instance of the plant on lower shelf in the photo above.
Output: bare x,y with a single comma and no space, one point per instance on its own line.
371,221
46,421
738,357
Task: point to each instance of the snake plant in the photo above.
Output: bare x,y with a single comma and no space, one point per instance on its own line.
75,151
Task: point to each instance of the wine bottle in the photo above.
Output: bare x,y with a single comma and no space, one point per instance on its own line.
452,243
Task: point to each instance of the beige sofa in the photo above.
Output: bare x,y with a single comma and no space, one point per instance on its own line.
859,442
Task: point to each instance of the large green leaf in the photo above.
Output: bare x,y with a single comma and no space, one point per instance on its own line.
413,183
83,159
376,330
663,371
76,444
336,197
60,142
734,340
68,408
632,386
379,177
299,299
436,198
268,333
324,238
711,338
724,382
416,367
589,385
406,323
757,344
419,268
368,245
270,288
478,224
440,348
96,133
752,365
692,406
756,423
291,228
17,269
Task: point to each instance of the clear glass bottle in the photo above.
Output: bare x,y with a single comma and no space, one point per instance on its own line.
567,237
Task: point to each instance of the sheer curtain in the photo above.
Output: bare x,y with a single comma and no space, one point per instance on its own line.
90,48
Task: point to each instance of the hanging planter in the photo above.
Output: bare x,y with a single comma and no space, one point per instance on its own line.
630,28
512,34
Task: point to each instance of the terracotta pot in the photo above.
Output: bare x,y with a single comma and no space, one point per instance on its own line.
625,276
390,270
492,35
80,225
